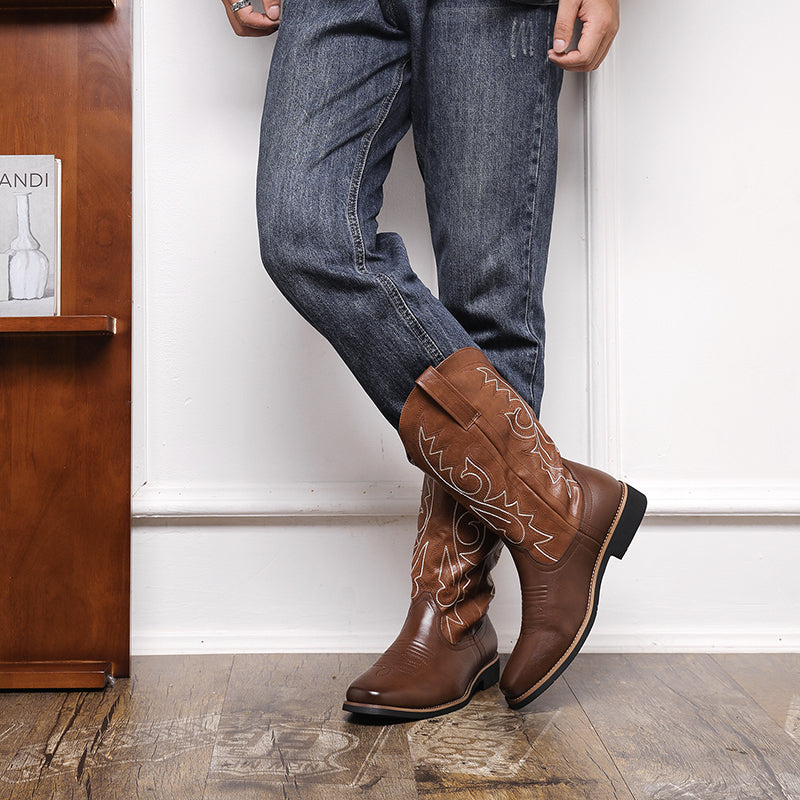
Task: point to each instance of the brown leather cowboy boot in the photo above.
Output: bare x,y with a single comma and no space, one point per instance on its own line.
447,648
562,521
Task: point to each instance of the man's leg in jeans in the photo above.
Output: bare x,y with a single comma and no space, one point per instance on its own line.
485,127
484,103
338,100
337,103
486,132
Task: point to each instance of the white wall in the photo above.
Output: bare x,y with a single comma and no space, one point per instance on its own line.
267,519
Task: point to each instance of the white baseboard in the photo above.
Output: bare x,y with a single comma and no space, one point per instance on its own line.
666,641
276,500
665,499
678,641
722,499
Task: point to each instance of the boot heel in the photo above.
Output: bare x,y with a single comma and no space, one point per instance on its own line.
628,524
489,677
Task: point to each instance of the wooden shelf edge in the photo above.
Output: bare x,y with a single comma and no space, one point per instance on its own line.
54,674
85,324
53,5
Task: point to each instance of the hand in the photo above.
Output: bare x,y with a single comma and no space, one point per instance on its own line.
249,22
600,25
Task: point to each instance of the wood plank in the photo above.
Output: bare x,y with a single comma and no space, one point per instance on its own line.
678,726
773,681
98,323
55,744
54,674
547,751
18,714
283,735
151,735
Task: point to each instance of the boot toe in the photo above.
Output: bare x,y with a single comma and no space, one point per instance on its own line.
384,691
423,674
369,689
384,688
533,659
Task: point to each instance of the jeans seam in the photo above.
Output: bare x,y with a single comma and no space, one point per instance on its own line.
359,251
535,185
396,299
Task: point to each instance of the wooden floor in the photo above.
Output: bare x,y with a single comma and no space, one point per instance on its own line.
649,727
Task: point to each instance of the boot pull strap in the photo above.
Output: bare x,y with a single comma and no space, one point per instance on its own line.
444,394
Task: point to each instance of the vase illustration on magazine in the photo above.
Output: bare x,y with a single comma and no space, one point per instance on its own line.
29,236
28,266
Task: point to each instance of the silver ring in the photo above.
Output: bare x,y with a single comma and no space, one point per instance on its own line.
240,4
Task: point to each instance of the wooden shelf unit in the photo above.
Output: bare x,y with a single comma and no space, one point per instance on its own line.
65,381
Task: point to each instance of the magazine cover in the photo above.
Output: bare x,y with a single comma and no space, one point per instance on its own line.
29,236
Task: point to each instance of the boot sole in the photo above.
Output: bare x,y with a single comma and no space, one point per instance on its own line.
626,522
487,677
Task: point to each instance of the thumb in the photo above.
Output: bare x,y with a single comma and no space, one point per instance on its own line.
565,24
272,8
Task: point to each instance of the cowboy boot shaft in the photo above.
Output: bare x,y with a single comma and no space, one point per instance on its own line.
515,430
496,458
452,559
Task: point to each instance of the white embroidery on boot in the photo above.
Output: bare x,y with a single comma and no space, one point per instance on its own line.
466,553
494,509
418,568
530,428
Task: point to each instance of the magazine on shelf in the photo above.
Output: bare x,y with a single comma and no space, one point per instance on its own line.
30,236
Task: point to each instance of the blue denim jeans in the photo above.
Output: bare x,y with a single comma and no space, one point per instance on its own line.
347,79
